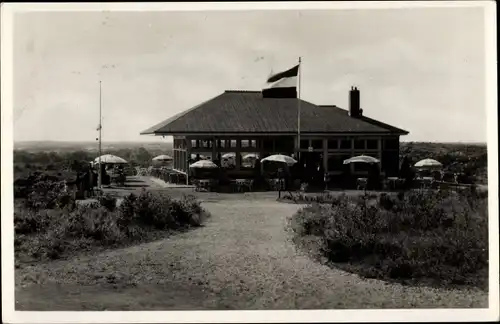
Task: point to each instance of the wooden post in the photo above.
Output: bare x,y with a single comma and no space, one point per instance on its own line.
214,148
188,157
238,154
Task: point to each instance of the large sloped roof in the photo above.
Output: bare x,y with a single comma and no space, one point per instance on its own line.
249,112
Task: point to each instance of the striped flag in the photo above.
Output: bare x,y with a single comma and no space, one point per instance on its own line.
282,84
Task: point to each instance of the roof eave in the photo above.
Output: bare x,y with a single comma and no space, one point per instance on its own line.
170,133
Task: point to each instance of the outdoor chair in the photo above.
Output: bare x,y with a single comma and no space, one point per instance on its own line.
361,183
202,185
241,185
426,182
249,185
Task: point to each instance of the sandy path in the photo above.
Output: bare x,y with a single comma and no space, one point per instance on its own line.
242,259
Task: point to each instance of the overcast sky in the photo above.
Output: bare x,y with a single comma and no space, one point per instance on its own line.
422,70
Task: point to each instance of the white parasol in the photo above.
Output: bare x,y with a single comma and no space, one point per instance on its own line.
280,158
110,159
229,156
428,163
362,159
251,156
162,158
203,164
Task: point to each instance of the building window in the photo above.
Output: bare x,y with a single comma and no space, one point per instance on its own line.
225,143
372,144
345,144
359,144
317,144
248,143
221,143
304,144
206,143
194,143
333,144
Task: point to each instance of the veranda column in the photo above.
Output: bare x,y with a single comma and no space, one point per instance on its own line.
238,154
214,148
188,157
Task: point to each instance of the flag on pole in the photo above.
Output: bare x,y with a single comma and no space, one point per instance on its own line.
282,84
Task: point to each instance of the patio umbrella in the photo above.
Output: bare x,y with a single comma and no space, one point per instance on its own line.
280,158
110,159
229,155
163,158
362,159
251,156
428,164
203,164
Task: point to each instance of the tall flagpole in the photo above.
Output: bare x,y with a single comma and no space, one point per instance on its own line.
298,111
99,173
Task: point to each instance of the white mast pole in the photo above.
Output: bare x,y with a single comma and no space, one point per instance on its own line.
298,111
99,175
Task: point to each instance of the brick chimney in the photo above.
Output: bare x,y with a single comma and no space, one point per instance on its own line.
354,103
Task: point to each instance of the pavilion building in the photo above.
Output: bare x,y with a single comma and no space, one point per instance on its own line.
246,122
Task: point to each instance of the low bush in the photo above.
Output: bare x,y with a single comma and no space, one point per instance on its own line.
423,236
49,194
108,202
52,233
326,198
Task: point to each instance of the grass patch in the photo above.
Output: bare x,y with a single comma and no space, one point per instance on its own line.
52,231
437,238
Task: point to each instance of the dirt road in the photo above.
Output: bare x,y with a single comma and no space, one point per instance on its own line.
241,259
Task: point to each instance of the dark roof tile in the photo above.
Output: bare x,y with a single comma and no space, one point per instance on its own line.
243,111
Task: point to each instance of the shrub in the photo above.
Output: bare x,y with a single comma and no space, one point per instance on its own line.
54,233
422,235
108,202
326,198
48,194
161,211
